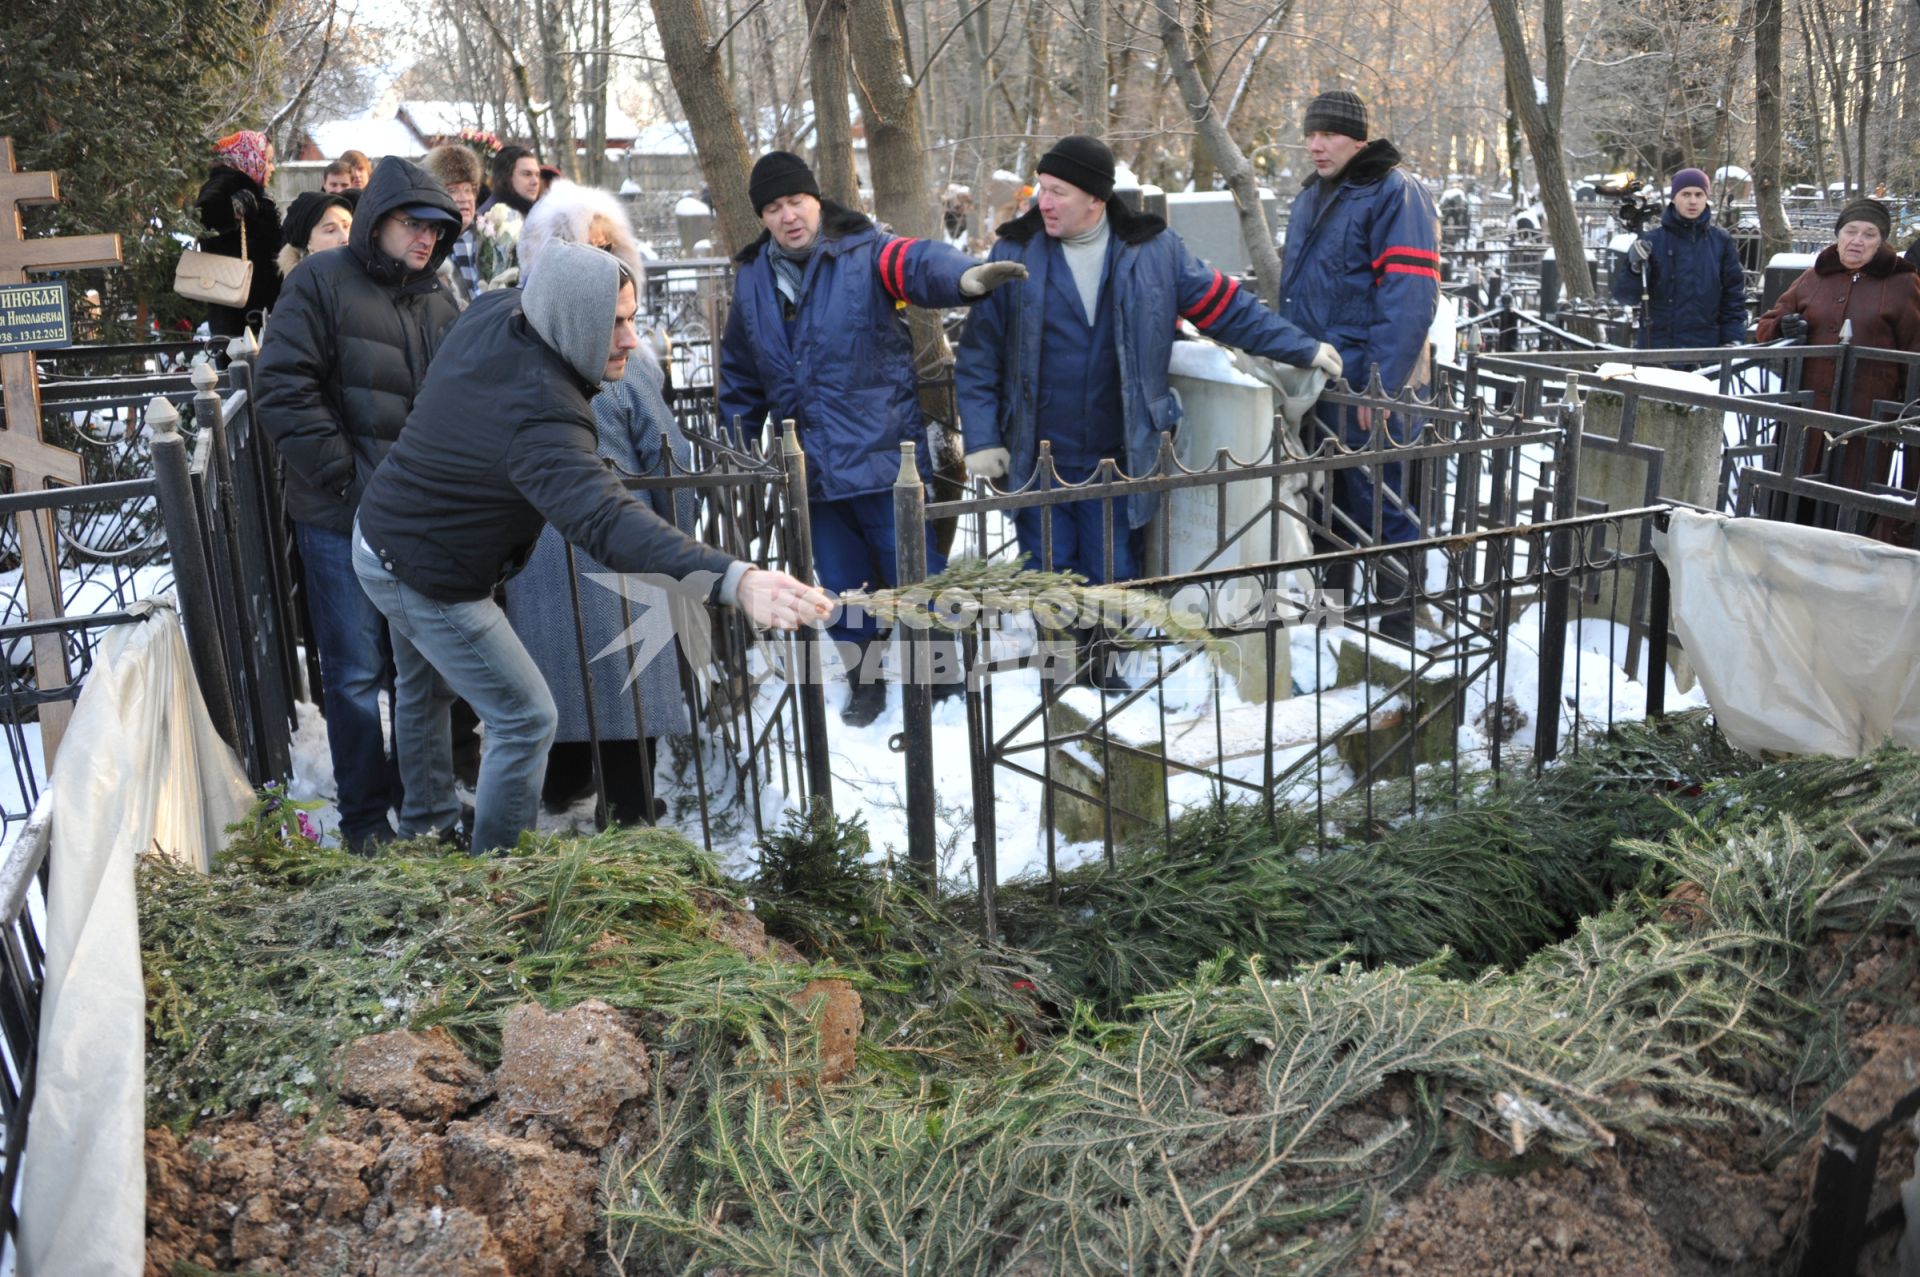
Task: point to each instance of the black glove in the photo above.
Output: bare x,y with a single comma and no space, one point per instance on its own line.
1793,324
244,205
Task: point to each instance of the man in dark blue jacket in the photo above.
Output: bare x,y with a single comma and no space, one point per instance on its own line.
1362,270
1078,355
816,334
1694,289
501,442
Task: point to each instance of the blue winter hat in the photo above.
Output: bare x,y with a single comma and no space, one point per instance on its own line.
1688,177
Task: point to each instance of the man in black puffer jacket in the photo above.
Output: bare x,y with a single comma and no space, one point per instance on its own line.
502,442
344,356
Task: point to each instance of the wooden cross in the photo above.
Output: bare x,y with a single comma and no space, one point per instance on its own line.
34,463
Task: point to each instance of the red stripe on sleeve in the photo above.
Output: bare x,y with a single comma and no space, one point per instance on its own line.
1220,307
900,267
1206,300
888,252
1419,254
1424,272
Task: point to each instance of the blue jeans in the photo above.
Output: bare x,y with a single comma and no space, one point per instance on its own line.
356,665
854,548
1080,534
465,649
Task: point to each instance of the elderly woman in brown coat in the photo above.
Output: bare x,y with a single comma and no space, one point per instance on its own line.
1859,285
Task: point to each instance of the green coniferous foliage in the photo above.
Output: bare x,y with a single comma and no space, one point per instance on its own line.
123,100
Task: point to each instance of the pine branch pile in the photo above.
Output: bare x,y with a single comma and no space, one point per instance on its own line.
1491,880
256,974
1255,1117
1222,1060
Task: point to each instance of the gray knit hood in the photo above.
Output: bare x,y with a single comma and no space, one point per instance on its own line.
570,303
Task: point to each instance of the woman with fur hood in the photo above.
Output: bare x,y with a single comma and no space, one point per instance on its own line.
636,433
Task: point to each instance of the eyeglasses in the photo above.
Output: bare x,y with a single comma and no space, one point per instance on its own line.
413,226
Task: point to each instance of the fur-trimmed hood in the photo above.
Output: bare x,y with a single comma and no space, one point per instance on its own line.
566,212
836,222
1374,161
289,258
1130,227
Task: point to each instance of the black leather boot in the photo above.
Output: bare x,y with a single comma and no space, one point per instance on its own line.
866,687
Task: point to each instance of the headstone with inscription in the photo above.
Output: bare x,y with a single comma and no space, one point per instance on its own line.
32,463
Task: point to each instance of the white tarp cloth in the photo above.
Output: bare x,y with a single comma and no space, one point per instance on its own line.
141,769
1807,641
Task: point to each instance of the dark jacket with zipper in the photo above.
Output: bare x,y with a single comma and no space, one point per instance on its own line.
502,442
1696,291
348,350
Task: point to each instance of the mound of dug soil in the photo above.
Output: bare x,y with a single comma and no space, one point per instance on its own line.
432,1166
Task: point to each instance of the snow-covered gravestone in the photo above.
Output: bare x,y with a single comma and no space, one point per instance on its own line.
1209,223
695,221
1691,441
1224,407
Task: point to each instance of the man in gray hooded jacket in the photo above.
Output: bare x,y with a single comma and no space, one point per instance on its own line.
500,442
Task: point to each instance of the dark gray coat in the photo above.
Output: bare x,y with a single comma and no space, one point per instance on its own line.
347,350
636,429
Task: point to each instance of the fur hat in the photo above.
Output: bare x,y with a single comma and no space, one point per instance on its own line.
453,163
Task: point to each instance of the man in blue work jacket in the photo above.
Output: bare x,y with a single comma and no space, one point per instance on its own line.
1362,270
1078,356
816,333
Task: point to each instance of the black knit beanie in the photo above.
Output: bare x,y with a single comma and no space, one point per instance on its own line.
780,173
1337,111
304,214
1084,161
1866,211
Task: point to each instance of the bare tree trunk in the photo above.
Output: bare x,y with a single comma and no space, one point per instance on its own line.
1864,53
979,37
1227,157
832,126
1201,167
1832,62
1094,75
1541,124
902,181
705,96
1813,103
1723,109
1775,235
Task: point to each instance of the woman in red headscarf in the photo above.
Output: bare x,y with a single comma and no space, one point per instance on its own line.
235,196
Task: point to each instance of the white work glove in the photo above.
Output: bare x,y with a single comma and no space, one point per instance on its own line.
774,600
988,463
1327,360
1638,253
978,281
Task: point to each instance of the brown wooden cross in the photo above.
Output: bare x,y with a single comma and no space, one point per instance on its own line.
34,463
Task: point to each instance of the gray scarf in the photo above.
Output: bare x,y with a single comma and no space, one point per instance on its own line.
787,268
